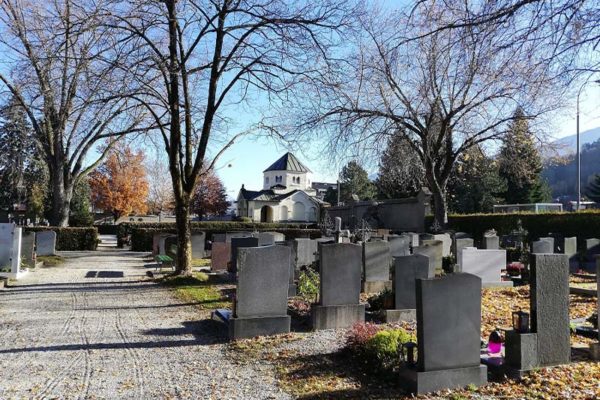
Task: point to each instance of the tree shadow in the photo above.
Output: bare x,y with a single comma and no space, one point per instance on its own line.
364,381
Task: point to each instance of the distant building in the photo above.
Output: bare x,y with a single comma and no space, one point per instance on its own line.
287,194
533,207
322,187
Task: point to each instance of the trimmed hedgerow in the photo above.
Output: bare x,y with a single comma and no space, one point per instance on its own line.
140,235
71,239
107,229
584,225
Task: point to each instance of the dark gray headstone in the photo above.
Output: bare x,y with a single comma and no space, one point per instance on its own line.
198,245
550,307
455,238
263,275
399,245
45,243
340,274
448,322
376,261
592,247
407,269
266,239
28,249
237,243
542,247
231,235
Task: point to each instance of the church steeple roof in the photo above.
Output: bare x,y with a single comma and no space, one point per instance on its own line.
288,162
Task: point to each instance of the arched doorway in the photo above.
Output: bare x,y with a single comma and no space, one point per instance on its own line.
266,214
284,213
299,212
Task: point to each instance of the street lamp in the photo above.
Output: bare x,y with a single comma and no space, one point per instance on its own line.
578,147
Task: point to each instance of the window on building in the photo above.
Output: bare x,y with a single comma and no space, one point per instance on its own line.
267,180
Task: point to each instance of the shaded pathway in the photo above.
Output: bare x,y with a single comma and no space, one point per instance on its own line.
96,328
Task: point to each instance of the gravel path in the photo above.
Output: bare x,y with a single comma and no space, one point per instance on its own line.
95,328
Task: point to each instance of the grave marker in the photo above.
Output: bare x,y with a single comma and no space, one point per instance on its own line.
45,243
376,263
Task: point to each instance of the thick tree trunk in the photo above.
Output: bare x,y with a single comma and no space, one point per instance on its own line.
440,208
62,194
184,238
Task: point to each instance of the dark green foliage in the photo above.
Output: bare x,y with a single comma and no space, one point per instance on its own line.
593,189
560,172
401,172
141,234
107,229
476,184
80,205
584,225
331,196
17,149
355,180
521,164
71,239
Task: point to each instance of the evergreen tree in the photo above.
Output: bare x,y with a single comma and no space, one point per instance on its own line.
476,184
16,148
401,172
80,214
521,164
331,196
593,190
355,180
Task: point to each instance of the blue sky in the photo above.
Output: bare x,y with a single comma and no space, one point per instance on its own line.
248,158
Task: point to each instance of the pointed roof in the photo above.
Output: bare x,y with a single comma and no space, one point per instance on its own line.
288,162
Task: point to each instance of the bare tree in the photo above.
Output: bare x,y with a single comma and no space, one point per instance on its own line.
208,59
445,92
160,195
61,61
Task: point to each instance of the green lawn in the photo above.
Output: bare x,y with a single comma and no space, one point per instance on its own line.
50,261
197,289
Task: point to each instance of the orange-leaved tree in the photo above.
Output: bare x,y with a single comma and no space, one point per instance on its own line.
120,184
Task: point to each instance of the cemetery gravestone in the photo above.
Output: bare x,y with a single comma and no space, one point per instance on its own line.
446,240
486,264
542,247
414,238
10,251
399,245
170,245
237,243
448,334
292,287
407,269
551,241
277,236
339,301
460,244
262,292
198,245
305,250
548,343
491,242
570,246
266,239
28,249
220,256
45,243
232,235
376,263
162,249
434,250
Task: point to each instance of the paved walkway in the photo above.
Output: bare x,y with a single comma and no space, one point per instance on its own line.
96,328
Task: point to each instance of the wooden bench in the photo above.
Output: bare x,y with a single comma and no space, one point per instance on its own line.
162,260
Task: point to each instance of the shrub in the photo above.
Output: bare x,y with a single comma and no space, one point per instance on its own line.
71,239
384,344
108,229
583,224
308,284
359,334
140,234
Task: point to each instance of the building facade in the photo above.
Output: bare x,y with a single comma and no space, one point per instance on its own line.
287,194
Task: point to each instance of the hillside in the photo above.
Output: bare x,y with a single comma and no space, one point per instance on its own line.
568,144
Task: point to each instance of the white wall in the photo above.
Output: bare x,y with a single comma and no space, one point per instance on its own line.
287,179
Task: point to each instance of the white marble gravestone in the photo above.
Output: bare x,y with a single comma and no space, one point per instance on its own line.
10,251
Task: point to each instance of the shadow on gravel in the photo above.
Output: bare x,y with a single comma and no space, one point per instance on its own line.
79,287
205,332
323,367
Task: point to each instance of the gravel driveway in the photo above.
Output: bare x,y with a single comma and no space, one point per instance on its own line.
94,328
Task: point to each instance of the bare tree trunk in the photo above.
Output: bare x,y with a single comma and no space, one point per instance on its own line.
440,207
184,238
62,193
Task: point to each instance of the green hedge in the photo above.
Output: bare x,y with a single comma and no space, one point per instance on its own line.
141,237
584,225
71,239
